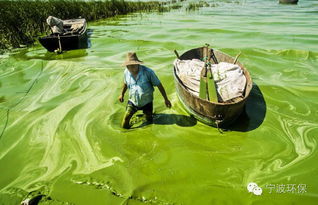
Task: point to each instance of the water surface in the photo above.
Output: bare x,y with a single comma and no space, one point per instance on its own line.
59,114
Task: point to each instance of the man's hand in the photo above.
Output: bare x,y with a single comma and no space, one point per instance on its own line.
164,95
168,103
121,98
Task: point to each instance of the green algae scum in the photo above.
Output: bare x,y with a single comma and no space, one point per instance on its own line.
60,135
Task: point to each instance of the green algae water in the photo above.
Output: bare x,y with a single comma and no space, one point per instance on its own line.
60,117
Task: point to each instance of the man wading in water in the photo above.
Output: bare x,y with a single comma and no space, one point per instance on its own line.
140,81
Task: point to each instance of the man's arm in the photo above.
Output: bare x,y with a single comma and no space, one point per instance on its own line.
123,91
164,95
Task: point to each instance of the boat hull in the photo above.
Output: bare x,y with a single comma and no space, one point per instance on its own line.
71,42
214,114
288,1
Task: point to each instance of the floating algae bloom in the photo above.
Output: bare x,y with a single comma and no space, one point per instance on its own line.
65,134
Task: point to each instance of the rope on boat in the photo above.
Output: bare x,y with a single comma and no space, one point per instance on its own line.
217,126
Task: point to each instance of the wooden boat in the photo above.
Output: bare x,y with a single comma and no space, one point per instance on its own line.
288,1
212,113
74,37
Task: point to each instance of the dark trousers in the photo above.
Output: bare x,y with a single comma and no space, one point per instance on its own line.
131,109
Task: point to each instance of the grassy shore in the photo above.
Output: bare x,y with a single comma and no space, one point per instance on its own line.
22,21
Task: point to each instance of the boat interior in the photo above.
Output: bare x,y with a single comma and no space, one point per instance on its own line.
72,26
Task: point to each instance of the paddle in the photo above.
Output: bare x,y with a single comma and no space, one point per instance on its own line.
207,85
214,57
235,60
177,54
211,84
59,50
203,92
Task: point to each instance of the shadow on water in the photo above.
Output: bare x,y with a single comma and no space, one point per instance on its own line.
253,115
250,119
170,119
27,55
87,42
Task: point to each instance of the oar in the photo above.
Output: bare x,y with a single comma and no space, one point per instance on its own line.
237,56
177,54
203,92
60,45
214,57
207,85
211,84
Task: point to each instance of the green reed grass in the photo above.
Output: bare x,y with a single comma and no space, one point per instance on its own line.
22,21
197,5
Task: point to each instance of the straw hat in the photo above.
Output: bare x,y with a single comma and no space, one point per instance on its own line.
132,59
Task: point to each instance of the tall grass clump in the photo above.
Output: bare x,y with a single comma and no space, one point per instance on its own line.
197,5
22,20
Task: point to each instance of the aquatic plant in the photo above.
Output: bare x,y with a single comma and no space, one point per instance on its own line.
196,5
22,21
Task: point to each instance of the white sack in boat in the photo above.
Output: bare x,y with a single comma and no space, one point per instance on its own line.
189,72
229,78
56,24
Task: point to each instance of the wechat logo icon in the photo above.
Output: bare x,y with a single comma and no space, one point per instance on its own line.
252,187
